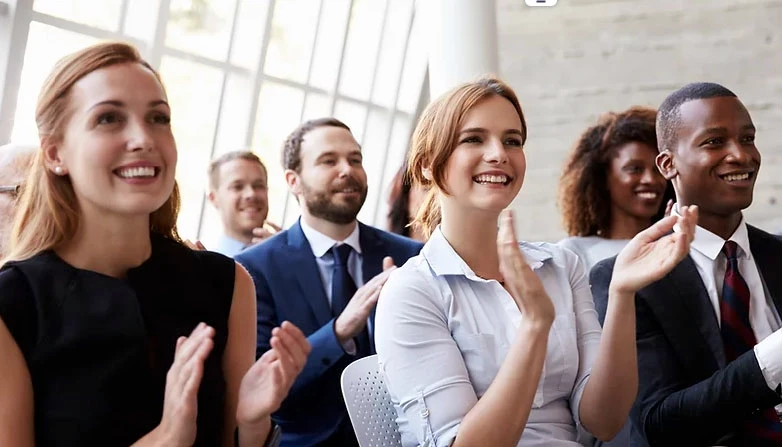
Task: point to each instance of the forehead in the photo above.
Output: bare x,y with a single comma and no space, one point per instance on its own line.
327,139
698,115
240,167
635,150
130,83
493,112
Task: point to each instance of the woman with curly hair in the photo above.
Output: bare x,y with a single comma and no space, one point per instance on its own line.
611,189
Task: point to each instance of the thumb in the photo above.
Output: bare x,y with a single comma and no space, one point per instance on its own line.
388,262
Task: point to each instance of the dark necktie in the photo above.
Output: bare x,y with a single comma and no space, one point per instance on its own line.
342,285
763,428
342,290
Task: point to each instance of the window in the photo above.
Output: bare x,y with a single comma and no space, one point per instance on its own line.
242,74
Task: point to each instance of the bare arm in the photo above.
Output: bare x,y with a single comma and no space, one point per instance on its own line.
239,350
16,394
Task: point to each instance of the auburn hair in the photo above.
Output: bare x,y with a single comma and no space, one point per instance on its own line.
435,138
48,212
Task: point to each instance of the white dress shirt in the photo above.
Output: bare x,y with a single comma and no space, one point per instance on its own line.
442,334
321,247
706,252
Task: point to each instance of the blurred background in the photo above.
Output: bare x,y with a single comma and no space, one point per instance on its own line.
241,74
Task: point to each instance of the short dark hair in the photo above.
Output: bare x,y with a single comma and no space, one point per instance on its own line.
668,116
291,148
214,166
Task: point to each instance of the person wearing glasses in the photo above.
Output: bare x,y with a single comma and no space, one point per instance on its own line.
15,161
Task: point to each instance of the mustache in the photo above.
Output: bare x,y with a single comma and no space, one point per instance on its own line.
348,183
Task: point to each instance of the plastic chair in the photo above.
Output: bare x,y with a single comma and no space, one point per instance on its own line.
369,405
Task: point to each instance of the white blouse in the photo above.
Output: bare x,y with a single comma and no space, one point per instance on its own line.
442,334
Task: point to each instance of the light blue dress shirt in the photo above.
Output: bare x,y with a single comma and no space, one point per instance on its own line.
229,246
442,334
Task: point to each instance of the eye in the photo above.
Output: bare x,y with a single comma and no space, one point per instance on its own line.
633,169
160,118
748,139
356,161
108,118
473,139
513,142
716,141
329,161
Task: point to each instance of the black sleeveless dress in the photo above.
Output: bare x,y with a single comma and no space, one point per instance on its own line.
98,348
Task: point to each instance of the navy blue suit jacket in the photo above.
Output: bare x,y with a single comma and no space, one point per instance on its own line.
687,393
288,286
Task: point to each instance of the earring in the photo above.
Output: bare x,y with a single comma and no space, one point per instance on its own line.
58,170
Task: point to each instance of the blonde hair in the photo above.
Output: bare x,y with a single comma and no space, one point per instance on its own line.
435,138
48,212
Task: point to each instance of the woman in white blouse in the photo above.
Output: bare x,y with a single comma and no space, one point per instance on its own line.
484,341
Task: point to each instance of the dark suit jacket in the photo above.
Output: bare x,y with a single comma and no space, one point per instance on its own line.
687,393
288,286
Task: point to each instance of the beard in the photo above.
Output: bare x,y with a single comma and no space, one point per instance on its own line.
321,203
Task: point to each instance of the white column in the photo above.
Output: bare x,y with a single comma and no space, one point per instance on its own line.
15,16
462,40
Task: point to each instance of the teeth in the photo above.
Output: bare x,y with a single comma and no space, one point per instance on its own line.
145,171
647,195
736,177
491,178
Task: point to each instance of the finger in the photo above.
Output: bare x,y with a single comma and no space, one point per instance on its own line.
189,244
274,226
195,369
261,232
297,335
200,245
506,234
388,263
668,208
189,347
658,230
291,346
287,360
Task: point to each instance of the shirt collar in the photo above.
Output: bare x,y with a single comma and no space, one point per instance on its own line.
229,246
444,260
710,245
321,244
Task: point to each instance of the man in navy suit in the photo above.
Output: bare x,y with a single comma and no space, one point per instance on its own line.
708,338
323,274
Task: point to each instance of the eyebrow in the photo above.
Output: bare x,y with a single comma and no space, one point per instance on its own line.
117,103
482,130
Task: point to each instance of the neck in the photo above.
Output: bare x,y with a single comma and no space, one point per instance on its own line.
473,235
722,226
336,231
625,226
236,235
110,245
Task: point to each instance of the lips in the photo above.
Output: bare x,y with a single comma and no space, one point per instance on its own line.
492,179
137,172
737,176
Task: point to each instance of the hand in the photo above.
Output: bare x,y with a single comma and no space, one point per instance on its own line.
197,245
521,282
353,319
180,404
652,253
268,381
260,234
668,208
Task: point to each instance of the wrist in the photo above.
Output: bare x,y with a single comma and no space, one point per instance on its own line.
253,434
619,293
341,332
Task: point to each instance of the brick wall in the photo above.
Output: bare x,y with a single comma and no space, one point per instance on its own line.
573,61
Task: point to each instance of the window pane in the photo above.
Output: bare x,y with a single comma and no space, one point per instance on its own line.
193,119
361,50
415,67
392,52
316,106
397,150
235,115
45,46
202,27
279,109
290,46
353,115
328,45
374,150
249,32
137,19
100,14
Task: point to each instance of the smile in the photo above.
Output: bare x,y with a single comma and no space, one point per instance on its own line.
485,179
137,172
736,177
649,195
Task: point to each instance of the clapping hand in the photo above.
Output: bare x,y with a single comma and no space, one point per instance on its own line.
654,252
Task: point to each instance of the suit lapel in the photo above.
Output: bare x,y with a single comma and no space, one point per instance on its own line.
686,313
767,250
372,252
305,270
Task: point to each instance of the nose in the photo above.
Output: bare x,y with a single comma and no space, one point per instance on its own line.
495,152
139,137
248,192
738,153
650,175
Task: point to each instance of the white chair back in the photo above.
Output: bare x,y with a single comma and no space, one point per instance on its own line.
369,406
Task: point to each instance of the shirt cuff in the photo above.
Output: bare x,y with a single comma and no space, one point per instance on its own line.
769,360
350,347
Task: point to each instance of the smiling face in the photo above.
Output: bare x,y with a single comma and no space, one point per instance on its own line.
714,163
486,169
331,183
241,197
635,185
117,147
